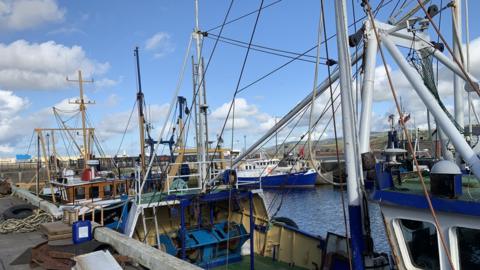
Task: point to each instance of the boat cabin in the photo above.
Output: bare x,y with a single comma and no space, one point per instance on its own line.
411,228
76,190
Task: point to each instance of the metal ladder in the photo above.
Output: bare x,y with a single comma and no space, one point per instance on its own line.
154,218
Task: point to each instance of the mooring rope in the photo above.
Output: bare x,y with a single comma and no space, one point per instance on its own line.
28,224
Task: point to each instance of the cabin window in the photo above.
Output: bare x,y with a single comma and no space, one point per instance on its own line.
79,193
120,188
468,248
421,242
94,192
107,190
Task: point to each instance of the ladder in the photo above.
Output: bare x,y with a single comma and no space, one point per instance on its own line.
144,221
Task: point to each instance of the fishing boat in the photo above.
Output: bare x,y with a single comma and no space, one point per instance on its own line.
80,187
269,173
201,213
204,216
431,218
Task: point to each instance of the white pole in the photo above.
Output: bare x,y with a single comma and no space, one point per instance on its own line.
346,99
457,82
352,164
429,100
367,89
467,62
452,66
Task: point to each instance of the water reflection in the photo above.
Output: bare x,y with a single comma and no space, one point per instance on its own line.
319,211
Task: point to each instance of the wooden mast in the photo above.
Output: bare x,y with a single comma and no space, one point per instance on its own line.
141,115
82,104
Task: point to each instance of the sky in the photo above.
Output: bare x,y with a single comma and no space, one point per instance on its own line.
42,42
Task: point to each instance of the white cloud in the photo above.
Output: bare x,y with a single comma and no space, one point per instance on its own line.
105,82
160,44
410,100
13,127
6,149
115,123
66,30
10,104
242,109
112,100
24,14
249,120
16,127
44,66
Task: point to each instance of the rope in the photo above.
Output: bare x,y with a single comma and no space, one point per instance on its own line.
409,139
28,224
315,81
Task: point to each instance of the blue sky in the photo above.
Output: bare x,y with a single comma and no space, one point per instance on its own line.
47,40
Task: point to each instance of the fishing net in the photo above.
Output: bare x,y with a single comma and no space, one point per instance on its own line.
422,61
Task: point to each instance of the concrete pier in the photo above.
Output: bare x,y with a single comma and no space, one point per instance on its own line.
146,255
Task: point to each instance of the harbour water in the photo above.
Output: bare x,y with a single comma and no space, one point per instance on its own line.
319,211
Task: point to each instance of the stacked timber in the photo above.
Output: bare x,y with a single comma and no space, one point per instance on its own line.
56,230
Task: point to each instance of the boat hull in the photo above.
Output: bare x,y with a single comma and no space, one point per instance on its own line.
294,180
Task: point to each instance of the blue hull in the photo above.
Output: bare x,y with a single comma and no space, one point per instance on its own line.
298,180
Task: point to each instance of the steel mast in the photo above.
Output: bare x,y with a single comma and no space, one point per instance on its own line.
200,103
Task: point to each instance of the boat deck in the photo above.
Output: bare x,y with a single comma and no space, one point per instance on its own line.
156,197
410,194
470,187
261,263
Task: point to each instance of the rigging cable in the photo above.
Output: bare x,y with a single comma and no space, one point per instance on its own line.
30,144
238,82
62,135
126,128
179,83
271,51
243,16
454,58
172,103
409,140
325,109
381,5
314,91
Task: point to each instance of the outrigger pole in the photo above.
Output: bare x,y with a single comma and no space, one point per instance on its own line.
293,112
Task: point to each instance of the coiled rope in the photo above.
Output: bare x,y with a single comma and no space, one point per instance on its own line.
28,224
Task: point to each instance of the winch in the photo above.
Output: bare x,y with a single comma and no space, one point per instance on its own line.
209,247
